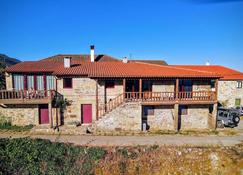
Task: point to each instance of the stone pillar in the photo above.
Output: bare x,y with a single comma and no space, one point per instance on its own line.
176,116
50,114
9,81
213,117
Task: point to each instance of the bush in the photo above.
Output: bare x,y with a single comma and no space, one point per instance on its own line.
28,156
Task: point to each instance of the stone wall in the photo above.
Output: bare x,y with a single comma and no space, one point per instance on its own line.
163,118
82,92
163,86
110,92
126,117
228,92
9,81
197,117
200,85
21,114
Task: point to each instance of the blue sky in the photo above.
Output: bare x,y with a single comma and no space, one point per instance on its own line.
178,31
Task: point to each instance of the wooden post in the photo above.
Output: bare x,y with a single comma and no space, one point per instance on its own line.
140,88
124,88
177,89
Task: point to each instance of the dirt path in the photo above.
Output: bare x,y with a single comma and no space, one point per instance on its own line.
177,140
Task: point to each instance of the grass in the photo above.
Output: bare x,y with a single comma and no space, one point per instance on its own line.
9,126
27,156
5,124
37,156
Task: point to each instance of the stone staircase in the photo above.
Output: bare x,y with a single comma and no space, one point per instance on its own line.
125,117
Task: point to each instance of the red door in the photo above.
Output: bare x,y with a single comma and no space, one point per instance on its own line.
43,114
86,111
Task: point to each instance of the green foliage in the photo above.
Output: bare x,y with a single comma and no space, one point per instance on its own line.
2,76
27,156
5,123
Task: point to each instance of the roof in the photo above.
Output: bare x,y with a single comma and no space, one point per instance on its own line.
130,69
107,66
158,62
78,58
224,72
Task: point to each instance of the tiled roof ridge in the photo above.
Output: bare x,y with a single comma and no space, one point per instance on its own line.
188,69
213,65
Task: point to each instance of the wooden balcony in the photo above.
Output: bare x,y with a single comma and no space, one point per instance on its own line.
195,97
26,96
159,98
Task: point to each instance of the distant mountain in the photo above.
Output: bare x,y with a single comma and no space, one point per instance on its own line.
6,60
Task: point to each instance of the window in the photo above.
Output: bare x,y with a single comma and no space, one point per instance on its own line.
18,82
110,84
239,84
40,82
148,110
237,102
183,110
67,83
30,82
50,82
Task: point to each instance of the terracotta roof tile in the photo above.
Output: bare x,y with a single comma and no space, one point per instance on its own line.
131,69
226,73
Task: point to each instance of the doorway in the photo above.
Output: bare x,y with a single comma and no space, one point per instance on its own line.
43,114
86,113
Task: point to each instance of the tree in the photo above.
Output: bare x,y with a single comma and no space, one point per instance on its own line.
2,76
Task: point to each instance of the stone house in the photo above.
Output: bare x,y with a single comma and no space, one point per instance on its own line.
230,85
109,94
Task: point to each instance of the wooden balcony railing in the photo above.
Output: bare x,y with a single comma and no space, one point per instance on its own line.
160,97
8,96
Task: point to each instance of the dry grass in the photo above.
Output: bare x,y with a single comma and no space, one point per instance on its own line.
172,160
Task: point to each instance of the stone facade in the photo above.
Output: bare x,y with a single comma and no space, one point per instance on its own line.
83,91
228,92
126,117
162,119
163,86
196,118
9,81
199,85
21,114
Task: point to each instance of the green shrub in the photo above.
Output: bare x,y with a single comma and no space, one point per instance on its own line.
28,156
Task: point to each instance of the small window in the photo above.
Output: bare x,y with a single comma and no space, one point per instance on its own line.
183,110
237,102
110,84
239,84
149,110
67,83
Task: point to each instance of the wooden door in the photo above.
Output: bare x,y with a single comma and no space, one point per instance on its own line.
86,113
43,114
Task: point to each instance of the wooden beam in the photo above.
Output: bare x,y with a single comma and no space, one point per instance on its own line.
140,88
177,88
124,87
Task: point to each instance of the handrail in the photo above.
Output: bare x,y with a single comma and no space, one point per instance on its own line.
156,97
110,105
26,94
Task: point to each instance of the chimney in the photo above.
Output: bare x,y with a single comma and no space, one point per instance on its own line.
67,62
125,60
207,63
92,56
